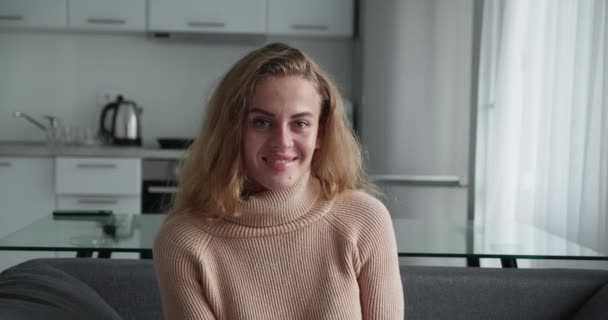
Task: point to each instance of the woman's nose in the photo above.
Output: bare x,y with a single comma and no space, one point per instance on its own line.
283,137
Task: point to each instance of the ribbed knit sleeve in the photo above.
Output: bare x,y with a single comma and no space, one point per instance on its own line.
368,224
176,259
379,276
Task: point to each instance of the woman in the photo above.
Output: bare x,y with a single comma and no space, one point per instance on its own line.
270,221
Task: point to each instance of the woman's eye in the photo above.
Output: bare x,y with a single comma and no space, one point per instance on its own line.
300,124
261,123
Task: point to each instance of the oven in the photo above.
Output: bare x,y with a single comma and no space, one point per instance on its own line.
159,185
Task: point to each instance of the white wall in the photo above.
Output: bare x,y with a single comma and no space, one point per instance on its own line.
60,73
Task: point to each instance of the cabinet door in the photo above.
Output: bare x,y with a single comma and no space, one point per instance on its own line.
26,194
213,16
33,14
331,18
108,15
98,176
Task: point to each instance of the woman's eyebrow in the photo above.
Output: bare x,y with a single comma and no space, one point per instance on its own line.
302,114
270,114
262,111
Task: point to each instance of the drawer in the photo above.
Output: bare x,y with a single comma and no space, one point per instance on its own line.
97,176
118,204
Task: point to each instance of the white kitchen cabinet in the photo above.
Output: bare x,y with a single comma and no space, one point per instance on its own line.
26,191
98,176
117,204
107,15
208,16
26,194
33,14
98,184
330,18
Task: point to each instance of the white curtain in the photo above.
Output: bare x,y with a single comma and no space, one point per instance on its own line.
542,137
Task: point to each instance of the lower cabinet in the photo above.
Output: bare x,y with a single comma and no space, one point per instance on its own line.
31,188
98,184
27,193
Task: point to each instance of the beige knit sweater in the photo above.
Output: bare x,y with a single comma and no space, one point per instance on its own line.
289,255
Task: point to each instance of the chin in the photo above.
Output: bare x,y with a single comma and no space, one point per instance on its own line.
279,184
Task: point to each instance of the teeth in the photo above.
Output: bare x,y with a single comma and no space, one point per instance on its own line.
279,161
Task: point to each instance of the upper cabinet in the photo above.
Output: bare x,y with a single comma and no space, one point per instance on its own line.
316,18
215,16
108,15
332,18
33,14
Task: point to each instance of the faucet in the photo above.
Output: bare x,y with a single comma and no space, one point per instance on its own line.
48,130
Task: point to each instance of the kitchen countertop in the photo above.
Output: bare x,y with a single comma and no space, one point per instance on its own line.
41,149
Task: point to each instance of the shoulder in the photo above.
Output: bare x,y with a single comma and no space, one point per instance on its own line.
180,234
358,215
359,200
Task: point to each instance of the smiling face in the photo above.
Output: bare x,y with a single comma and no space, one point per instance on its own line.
281,132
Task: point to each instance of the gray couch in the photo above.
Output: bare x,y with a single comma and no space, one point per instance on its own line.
127,289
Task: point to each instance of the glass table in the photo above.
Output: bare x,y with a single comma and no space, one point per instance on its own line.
88,234
504,240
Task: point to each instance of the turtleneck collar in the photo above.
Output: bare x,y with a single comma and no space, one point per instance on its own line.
272,208
273,212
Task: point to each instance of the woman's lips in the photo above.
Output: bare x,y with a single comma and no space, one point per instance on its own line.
279,163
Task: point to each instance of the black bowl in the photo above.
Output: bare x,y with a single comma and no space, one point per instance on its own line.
174,143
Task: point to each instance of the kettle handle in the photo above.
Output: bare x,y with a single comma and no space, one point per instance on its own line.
105,132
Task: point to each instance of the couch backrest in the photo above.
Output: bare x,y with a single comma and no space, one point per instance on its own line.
130,287
483,293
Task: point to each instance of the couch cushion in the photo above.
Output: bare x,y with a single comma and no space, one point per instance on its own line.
34,290
596,307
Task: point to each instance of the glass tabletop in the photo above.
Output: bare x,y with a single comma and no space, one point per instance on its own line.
415,238
118,233
498,239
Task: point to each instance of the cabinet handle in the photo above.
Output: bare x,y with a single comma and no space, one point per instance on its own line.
316,27
11,18
106,21
96,166
440,181
97,201
204,24
162,189
5,164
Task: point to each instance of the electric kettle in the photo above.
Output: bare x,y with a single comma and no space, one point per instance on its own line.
125,124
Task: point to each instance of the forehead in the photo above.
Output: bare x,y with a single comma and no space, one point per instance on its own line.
286,94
